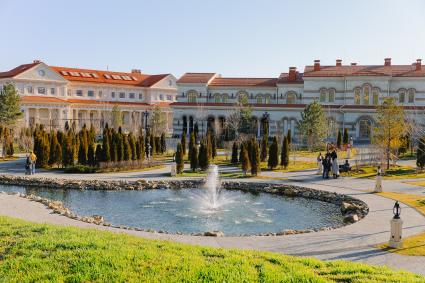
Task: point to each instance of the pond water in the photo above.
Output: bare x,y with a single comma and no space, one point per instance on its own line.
185,210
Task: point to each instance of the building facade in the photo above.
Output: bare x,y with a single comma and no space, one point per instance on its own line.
349,95
54,96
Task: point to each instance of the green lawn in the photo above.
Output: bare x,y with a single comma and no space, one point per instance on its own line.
394,173
39,252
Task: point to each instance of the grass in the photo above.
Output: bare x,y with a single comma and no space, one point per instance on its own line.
415,245
314,154
40,252
9,158
395,172
292,167
417,183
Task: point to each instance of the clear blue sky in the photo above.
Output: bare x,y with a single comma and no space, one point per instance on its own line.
231,37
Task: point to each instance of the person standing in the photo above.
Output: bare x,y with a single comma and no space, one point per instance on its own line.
378,183
33,160
28,165
335,166
319,163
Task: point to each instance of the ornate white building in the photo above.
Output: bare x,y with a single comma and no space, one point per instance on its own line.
54,95
349,95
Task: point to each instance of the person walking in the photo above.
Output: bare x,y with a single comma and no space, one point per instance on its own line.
33,160
28,165
320,164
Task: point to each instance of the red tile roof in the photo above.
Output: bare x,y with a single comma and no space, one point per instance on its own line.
108,77
359,70
18,70
196,78
49,99
244,82
284,79
42,99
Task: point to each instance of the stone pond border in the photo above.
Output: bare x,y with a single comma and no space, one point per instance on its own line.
352,209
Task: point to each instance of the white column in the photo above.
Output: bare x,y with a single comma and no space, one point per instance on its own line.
258,128
285,126
36,117
357,130
27,117
61,123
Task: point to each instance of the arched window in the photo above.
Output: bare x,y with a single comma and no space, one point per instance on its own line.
266,99
402,96
411,94
375,96
259,99
364,128
323,95
242,97
357,96
291,98
366,91
224,98
192,95
331,94
217,98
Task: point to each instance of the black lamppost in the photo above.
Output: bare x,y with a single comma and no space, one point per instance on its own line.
146,115
396,210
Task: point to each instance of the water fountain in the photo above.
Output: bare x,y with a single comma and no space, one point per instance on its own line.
211,199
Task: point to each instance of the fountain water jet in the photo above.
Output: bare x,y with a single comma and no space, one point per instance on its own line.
211,198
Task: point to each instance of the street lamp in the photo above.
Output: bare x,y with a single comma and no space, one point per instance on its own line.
146,115
396,210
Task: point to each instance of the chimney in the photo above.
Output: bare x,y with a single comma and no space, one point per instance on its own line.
387,61
316,65
292,73
136,71
36,61
338,62
418,64
353,64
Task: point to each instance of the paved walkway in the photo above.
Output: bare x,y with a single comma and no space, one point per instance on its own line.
354,242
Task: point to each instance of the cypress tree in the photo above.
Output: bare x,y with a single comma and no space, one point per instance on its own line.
203,156
192,143
194,160
244,159
55,150
120,145
339,139
163,144
127,148
289,136
179,159
106,146
183,143
82,157
214,146
196,131
114,147
345,137
152,144
264,148
99,157
234,159
255,163
133,147
141,149
273,154
91,155
208,144
284,160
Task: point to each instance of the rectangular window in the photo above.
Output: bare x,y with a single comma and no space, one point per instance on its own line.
100,93
29,89
140,96
52,91
113,94
169,97
79,92
90,93
131,95
122,94
41,90
161,97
